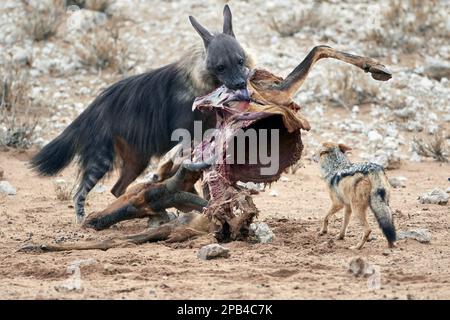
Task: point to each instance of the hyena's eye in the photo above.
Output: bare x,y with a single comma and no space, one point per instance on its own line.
220,68
241,62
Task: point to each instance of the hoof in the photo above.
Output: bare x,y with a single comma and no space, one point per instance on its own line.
380,73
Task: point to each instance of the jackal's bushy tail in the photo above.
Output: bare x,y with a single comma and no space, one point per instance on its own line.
379,203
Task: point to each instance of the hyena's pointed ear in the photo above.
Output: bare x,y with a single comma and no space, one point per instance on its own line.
205,34
227,21
344,148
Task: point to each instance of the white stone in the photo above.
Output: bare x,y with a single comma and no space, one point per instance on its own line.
374,136
7,188
398,182
213,251
261,232
436,196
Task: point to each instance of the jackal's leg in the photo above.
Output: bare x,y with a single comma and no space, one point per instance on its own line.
345,221
362,215
295,79
335,207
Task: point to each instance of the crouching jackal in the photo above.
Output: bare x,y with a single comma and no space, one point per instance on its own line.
355,187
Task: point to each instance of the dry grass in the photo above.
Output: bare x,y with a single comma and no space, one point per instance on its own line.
435,147
16,122
312,18
63,190
406,25
102,48
42,21
349,87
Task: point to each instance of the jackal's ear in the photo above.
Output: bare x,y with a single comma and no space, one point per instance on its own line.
344,148
227,21
205,34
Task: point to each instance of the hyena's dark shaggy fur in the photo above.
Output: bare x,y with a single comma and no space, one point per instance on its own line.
135,117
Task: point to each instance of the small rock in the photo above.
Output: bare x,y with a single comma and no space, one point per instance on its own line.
374,136
436,196
421,235
284,179
22,57
2,172
251,186
7,188
398,182
261,232
213,251
273,193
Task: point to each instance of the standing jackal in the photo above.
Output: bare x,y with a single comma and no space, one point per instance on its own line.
355,187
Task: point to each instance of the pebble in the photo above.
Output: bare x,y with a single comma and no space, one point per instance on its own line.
213,251
421,235
436,196
7,188
398,182
261,232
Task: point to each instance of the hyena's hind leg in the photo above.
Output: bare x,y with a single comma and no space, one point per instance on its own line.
94,170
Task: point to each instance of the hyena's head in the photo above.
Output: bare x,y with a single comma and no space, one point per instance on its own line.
331,157
225,58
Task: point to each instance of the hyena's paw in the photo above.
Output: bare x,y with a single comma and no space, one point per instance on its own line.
322,232
340,237
80,219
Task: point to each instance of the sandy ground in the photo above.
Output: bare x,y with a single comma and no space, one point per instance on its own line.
298,264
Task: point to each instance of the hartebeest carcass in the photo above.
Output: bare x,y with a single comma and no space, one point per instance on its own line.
268,105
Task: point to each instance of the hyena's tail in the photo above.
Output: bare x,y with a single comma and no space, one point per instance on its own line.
56,155
379,203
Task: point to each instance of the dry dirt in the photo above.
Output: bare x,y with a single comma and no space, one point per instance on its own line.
298,264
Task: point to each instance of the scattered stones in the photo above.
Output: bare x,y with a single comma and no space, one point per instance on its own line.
252,186
284,179
436,196
273,193
398,182
374,136
421,235
2,172
213,251
7,188
448,189
261,232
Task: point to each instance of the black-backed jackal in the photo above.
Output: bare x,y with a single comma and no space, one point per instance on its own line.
355,187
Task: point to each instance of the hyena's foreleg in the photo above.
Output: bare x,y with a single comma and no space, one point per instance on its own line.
93,172
295,79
